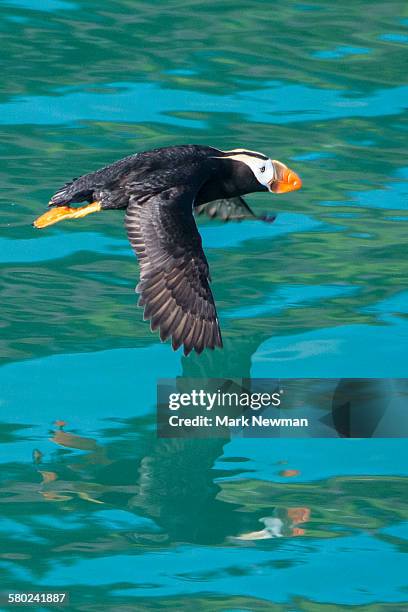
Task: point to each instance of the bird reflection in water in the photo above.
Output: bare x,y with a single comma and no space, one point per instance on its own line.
284,523
171,482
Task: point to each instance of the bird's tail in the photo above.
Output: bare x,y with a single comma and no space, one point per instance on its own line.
77,190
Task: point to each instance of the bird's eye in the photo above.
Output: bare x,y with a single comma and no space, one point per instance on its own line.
262,169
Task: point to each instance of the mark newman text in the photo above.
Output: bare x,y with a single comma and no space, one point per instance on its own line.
226,421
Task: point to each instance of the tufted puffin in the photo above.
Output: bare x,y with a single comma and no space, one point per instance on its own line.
161,191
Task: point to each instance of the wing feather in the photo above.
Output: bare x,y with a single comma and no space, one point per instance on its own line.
228,209
174,276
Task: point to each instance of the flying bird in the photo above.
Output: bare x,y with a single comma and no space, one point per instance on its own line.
161,191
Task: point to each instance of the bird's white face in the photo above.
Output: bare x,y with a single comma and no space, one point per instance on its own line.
263,169
270,173
260,165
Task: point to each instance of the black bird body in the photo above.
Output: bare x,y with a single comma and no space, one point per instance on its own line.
151,172
160,190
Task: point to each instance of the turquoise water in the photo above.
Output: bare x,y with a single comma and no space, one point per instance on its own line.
99,506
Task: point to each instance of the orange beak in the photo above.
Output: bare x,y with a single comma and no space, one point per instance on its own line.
285,179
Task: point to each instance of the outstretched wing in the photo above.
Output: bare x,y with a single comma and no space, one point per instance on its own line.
228,209
174,276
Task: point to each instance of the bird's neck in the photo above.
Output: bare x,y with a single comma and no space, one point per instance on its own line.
216,188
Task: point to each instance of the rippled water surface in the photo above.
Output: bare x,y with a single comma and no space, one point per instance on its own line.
98,506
